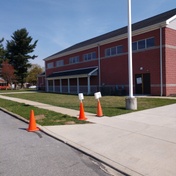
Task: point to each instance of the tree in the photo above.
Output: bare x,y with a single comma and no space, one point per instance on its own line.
2,51
8,72
32,74
18,50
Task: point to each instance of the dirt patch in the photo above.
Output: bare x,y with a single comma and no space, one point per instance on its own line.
39,117
57,120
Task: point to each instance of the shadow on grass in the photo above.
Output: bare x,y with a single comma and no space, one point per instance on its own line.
27,105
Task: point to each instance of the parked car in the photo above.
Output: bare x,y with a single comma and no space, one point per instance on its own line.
32,87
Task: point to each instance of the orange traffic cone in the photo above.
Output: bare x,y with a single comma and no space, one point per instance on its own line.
81,113
32,123
99,110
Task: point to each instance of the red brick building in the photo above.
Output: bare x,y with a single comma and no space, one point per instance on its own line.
101,63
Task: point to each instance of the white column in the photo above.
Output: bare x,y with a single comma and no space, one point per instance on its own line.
68,85
78,85
60,85
53,85
88,85
46,85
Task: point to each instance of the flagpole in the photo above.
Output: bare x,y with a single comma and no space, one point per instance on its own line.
131,101
130,68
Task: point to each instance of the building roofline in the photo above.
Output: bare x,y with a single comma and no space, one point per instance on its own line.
149,24
73,73
171,19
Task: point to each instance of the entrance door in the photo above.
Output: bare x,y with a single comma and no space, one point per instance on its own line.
142,83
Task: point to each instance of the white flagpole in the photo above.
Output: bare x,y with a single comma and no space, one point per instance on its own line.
131,101
130,67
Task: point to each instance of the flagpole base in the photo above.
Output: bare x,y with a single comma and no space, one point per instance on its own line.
131,103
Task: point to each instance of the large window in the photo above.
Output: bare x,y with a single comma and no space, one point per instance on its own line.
50,65
143,44
73,60
114,51
89,56
59,63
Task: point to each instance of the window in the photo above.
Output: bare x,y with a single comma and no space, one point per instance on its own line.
150,42
59,63
119,49
114,51
74,60
94,55
141,44
89,56
50,65
108,52
134,46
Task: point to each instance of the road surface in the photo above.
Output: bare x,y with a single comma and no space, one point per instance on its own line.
35,153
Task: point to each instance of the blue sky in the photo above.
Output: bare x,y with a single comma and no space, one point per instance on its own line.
58,24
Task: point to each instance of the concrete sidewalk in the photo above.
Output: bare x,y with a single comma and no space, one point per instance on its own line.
139,143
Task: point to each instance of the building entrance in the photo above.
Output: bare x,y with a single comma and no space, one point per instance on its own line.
142,83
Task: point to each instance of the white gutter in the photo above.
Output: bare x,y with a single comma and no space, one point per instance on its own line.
99,67
161,63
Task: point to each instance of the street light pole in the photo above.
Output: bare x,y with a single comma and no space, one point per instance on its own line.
131,101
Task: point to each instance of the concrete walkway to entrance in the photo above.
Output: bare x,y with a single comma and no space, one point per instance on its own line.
138,143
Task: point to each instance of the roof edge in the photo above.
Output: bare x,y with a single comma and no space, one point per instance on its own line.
117,34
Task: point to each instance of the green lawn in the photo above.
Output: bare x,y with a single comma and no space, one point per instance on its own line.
111,105
42,116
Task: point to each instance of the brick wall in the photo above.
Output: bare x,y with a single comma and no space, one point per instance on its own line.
170,55
114,70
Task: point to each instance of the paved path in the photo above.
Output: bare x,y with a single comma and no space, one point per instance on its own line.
139,143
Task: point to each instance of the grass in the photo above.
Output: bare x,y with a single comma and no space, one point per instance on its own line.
111,105
43,117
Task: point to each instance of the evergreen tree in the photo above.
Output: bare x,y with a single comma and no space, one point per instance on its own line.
18,53
2,51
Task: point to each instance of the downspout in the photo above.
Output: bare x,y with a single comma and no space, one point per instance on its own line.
99,67
161,63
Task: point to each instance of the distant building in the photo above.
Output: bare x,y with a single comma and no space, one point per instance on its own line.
101,63
3,84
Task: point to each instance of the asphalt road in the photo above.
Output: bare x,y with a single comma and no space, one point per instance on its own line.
35,153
